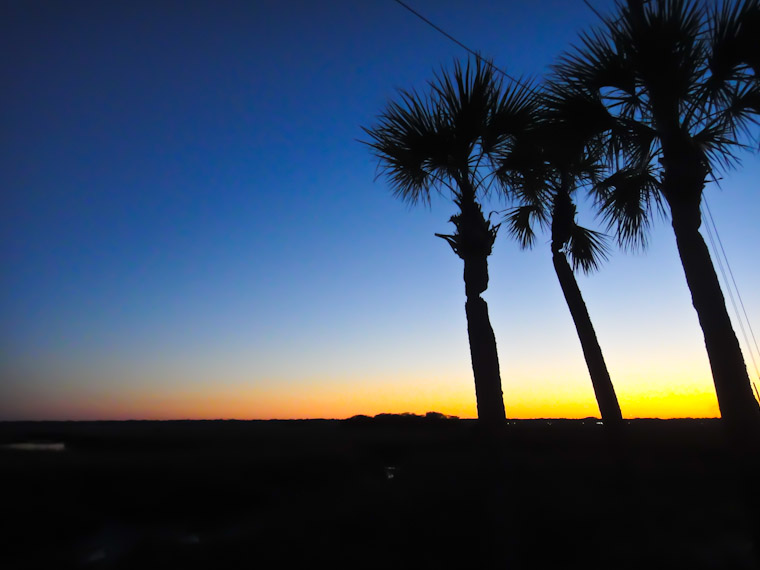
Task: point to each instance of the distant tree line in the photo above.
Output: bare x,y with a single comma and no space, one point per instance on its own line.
404,419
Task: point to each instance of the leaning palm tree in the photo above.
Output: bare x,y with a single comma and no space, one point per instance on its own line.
448,140
654,85
543,171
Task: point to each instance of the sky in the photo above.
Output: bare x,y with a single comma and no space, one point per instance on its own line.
190,227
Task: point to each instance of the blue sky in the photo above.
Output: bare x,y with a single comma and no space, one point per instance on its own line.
190,227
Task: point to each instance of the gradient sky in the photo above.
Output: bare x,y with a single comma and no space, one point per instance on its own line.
190,228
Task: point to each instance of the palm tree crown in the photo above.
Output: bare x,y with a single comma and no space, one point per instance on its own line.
440,141
547,166
664,76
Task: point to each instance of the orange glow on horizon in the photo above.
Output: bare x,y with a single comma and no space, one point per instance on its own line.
528,394
337,399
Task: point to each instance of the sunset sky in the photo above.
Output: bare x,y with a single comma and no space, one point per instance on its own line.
190,229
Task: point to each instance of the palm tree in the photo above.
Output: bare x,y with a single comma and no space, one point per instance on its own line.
656,89
543,171
447,141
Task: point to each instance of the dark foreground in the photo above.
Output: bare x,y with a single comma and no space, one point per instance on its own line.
399,493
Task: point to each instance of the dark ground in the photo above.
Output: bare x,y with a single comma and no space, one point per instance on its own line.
229,494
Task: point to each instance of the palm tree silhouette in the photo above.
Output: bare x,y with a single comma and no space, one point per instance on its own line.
448,140
668,85
543,171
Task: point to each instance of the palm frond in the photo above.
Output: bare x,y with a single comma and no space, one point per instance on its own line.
446,138
466,97
663,42
576,112
734,32
519,221
521,169
584,125
717,144
514,114
596,63
586,249
626,200
742,111
411,143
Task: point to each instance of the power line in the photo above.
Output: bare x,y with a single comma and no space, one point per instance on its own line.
594,10
463,46
719,260
729,289
722,270
722,252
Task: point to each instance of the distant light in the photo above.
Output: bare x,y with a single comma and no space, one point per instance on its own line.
36,446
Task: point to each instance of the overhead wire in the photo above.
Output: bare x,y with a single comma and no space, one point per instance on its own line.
720,252
594,10
465,47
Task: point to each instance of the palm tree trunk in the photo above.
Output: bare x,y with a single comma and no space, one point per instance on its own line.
592,352
738,406
475,238
485,362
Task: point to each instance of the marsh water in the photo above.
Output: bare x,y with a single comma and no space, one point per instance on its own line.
34,446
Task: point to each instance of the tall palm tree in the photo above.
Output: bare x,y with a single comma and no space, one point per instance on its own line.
448,140
655,87
543,171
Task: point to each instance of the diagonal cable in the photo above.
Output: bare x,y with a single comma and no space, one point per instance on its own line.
730,291
738,294
464,47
